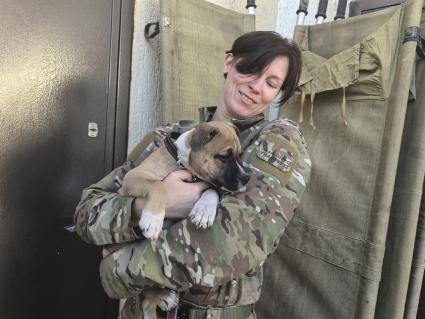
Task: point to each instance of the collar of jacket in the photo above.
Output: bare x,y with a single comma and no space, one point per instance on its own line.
206,114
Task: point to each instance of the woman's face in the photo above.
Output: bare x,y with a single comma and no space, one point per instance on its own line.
246,95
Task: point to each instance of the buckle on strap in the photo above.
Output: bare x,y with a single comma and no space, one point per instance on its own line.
414,34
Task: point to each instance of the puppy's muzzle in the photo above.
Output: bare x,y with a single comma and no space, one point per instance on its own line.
234,178
242,181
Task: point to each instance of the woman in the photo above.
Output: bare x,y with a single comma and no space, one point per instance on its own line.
218,271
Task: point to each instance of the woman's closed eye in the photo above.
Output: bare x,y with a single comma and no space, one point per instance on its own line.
272,85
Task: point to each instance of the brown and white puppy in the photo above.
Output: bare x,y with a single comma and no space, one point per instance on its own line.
210,151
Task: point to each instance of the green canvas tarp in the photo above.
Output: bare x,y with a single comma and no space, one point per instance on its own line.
417,270
352,103
194,37
405,207
412,307
414,147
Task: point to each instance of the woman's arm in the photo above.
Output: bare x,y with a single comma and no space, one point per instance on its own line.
103,217
246,230
182,195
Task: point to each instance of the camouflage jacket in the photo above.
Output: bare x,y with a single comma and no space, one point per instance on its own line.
218,266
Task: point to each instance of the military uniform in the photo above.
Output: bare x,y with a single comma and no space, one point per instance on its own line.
215,268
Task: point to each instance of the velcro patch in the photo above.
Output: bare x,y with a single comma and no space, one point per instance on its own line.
276,156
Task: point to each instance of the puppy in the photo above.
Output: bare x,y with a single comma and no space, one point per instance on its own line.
209,151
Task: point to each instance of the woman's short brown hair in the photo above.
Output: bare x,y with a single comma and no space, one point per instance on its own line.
254,51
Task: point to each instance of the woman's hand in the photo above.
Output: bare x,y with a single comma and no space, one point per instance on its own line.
182,195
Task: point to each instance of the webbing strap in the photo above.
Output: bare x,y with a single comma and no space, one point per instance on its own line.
414,34
420,49
302,101
237,312
141,146
169,144
313,94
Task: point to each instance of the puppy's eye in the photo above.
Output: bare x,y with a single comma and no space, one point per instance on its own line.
222,157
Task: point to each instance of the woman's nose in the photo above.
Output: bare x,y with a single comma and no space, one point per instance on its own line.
255,85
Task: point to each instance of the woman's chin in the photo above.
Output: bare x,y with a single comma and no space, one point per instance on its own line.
241,113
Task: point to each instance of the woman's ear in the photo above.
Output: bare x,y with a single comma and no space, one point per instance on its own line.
228,62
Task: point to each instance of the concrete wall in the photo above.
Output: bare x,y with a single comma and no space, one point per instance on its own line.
145,99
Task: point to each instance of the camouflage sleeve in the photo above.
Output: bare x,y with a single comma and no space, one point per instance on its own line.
104,217
246,231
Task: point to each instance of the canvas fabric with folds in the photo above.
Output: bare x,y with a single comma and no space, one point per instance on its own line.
194,37
352,103
405,223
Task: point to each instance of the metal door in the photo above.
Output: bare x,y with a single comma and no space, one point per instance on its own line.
58,73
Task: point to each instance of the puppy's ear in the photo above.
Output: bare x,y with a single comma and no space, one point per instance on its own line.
201,136
183,141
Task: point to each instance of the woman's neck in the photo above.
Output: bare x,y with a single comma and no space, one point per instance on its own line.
221,113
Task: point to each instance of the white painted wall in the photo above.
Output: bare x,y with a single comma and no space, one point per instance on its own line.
145,99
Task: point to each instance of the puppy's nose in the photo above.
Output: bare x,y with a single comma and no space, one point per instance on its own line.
244,179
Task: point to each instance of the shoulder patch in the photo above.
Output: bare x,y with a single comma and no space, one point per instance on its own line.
276,156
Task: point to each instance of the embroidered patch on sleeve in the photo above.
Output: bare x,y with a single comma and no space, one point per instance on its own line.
276,156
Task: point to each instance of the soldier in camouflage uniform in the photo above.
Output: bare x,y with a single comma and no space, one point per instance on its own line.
217,271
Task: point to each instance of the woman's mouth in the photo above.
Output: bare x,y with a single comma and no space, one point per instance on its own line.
246,99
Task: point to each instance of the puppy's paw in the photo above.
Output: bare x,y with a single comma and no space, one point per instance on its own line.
204,210
167,299
151,224
203,215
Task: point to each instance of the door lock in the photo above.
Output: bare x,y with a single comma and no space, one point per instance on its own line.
93,129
